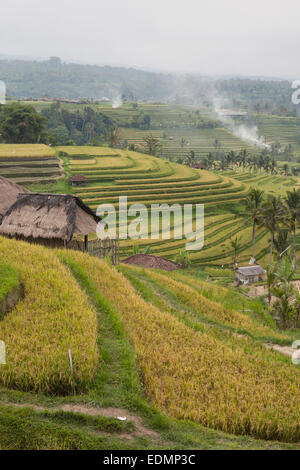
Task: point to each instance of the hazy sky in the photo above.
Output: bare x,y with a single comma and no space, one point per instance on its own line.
255,37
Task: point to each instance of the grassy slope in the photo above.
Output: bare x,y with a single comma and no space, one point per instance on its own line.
117,384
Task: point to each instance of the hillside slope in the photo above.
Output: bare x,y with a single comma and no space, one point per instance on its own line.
168,354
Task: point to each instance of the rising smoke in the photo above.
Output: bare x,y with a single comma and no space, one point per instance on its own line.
245,132
117,101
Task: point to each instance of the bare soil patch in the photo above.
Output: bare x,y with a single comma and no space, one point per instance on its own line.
110,412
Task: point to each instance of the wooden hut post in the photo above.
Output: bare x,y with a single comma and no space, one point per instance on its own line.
86,241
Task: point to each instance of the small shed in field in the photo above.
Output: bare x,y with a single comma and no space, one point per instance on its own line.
54,220
78,180
199,166
9,192
250,274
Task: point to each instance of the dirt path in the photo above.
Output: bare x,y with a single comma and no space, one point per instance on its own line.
110,412
286,350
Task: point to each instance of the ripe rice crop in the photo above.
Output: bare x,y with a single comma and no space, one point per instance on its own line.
25,150
213,310
193,375
54,316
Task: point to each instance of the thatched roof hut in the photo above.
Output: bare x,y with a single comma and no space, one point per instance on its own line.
50,219
199,166
9,192
78,180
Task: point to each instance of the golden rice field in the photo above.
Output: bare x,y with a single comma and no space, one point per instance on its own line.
29,163
26,150
216,378
199,360
53,317
150,180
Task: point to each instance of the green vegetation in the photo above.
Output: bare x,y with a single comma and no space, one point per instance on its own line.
75,127
21,124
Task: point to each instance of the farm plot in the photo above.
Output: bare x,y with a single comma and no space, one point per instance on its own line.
280,129
151,180
177,143
44,325
192,370
29,163
272,184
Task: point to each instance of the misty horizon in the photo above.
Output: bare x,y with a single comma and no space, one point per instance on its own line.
213,39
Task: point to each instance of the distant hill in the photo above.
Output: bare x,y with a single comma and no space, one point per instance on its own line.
25,78
56,79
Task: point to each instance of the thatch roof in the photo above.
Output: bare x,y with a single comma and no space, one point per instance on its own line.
9,192
78,178
200,166
48,216
151,261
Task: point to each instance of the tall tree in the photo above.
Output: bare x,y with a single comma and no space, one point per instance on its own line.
235,245
281,241
114,137
21,124
254,202
292,204
151,144
271,216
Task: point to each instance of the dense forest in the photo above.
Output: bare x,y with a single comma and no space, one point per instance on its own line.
22,124
56,79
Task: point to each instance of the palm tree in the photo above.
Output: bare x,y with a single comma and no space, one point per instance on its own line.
235,244
285,292
190,159
281,242
292,204
285,169
271,216
113,137
270,280
253,206
151,144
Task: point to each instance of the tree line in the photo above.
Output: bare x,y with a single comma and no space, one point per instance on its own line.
21,124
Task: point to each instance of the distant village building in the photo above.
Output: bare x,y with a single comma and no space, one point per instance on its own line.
232,113
50,219
78,180
250,274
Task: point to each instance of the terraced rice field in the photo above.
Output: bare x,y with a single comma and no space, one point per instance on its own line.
273,184
28,163
283,129
192,361
181,358
147,180
201,141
